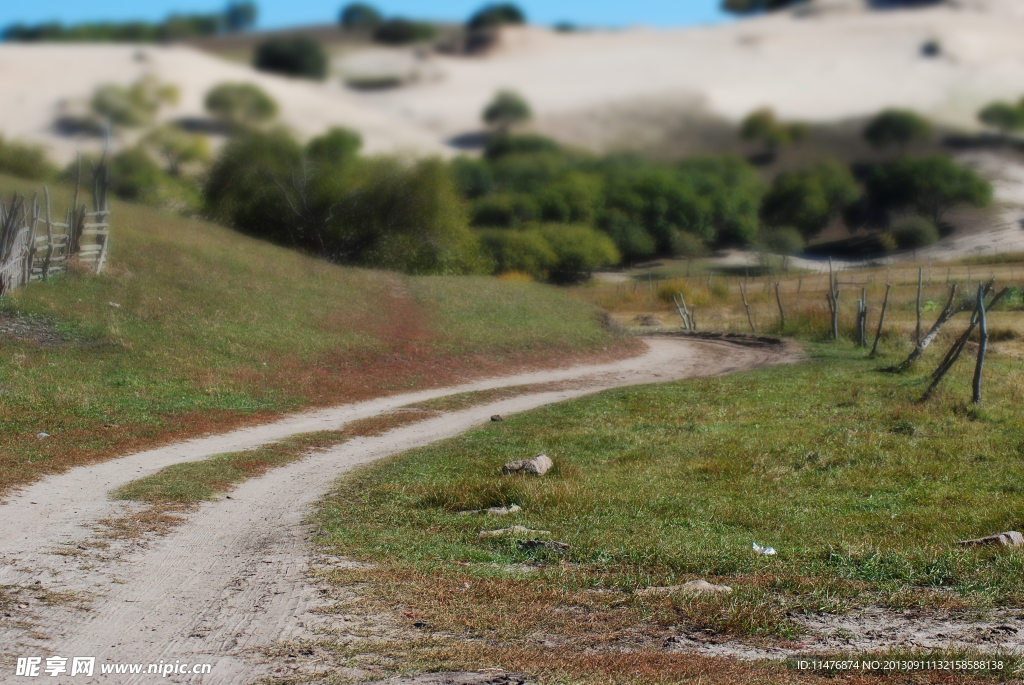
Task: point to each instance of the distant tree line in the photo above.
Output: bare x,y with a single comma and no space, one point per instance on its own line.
238,16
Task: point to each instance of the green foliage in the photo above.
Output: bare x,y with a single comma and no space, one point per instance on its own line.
25,161
808,199
177,147
526,143
784,240
1005,116
473,177
688,245
292,56
135,105
512,250
359,16
493,16
898,127
633,241
914,232
580,250
334,147
240,105
761,126
401,31
507,109
755,6
240,16
174,27
134,175
324,198
930,186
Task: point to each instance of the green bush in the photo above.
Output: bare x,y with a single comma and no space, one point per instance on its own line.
526,143
134,175
580,250
897,127
808,199
1004,116
688,245
511,250
473,177
493,16
930,186
399,31
292,56
376,212
334,147
761,126
359,16
240,105
507,109
783,241
136,105
914,232
26,161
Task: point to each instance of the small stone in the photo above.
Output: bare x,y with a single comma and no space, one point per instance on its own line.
694,587
537,466
513,530
493,511
1010,538
497,417
42,435
550,545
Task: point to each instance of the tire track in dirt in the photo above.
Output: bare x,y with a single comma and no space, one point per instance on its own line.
232,579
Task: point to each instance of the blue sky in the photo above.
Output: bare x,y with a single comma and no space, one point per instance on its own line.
278,13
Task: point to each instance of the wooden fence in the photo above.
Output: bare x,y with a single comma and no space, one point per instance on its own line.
34,246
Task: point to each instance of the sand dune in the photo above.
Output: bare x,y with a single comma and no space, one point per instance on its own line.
817,67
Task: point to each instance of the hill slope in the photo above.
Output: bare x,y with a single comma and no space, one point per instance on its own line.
194,327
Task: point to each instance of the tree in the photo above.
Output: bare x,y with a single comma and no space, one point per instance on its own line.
930,186
240,105
136,105
493,16
292,56
761,126
506,110
808,199
401,31
334,147
914,232
1003,116
755,6
358,16
898,127
240,16
177,147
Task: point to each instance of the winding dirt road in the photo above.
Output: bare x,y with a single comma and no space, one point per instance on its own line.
232,579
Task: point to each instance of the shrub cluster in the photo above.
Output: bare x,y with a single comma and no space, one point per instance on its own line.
292,56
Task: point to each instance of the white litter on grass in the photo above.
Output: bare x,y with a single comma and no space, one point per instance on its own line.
764,551
114,304
42,435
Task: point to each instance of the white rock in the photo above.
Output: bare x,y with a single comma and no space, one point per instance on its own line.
537,466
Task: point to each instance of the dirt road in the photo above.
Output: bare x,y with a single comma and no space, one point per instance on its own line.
233,578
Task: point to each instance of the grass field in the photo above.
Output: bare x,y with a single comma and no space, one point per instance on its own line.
862,490
194,328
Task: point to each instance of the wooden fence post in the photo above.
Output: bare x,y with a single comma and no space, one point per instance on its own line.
878,333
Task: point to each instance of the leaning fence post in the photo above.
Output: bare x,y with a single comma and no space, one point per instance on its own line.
746,306
778,299
920,277
982,345
878,333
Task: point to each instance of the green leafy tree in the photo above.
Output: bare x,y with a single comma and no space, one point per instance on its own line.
240,16
913,232
931,186
136,105
134,175
525,251
25,161
401,31
359,16
897,127
808,199
292,56
506,110
761,126
336,146
1003,116
177,147
581,250
240,105
493,16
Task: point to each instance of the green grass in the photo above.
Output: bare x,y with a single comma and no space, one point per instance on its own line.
215,329
862,491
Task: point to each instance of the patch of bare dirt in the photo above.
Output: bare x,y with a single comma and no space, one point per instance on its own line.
35,329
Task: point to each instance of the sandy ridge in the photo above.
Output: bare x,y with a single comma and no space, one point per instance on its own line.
233,578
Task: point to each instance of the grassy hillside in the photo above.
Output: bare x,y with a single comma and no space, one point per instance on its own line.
193,327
